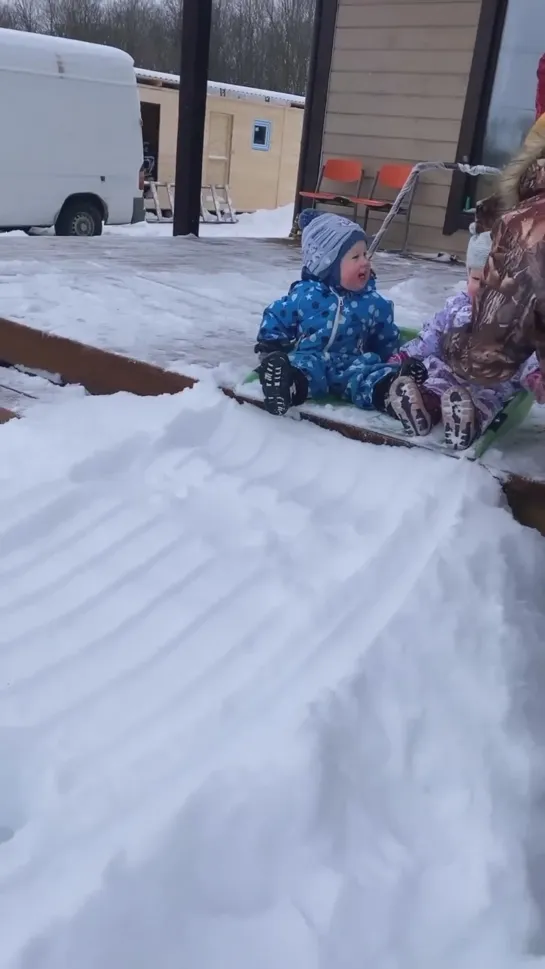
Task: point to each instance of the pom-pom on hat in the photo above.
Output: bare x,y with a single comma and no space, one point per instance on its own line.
326,238
307,216
478,249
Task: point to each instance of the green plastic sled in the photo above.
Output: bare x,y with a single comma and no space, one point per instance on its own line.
406,333
509,418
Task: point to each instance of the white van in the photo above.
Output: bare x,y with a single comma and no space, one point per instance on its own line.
70,133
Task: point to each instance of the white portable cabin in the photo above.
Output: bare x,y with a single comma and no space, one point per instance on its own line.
71,135
252,138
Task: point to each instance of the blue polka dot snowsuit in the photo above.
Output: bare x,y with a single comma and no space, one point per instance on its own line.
340,340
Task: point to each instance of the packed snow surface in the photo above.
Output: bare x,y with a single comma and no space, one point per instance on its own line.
268,697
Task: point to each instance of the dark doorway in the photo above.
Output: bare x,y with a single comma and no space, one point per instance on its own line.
151,118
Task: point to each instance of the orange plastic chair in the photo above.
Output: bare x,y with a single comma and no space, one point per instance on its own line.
342,171
391,177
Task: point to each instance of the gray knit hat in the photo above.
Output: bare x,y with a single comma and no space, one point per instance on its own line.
326,238
478,249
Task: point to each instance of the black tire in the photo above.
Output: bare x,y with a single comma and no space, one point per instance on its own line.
82,219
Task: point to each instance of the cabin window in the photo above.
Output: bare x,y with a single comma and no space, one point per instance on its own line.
501,98
261,139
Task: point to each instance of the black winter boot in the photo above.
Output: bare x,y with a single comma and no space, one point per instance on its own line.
283,385
381,395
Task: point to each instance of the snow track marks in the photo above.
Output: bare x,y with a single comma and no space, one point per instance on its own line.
180,595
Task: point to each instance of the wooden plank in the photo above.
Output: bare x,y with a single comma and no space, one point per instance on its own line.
461,13
99,371
392,82
439,108
404,61
7,415
414,38
526,500
395,149
398,128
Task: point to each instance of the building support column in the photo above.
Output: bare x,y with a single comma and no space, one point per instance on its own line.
321,55
196,29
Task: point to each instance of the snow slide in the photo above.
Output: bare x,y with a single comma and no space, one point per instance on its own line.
266,697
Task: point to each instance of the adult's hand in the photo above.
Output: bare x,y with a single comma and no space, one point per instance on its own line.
487,212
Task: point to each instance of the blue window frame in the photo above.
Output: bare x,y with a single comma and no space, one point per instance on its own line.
261,137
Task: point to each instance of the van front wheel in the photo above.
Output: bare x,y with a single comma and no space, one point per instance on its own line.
79,219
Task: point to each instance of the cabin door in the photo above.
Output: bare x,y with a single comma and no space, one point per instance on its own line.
151,121
220,137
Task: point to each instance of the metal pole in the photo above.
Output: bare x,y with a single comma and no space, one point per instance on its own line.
310,157
196,28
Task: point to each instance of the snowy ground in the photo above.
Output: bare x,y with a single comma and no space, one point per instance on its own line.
268,698
178,302
192,305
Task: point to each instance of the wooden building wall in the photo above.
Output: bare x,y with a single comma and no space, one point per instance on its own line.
397,88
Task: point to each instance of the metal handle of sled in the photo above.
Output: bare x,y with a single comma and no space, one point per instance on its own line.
474,170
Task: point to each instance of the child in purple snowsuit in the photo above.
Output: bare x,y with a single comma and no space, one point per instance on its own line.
465,410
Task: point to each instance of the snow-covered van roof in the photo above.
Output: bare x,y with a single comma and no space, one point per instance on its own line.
43,54
225,90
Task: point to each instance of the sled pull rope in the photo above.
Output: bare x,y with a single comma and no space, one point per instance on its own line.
474,170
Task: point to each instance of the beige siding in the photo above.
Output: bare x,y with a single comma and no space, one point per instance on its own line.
255,175
257,179
397,89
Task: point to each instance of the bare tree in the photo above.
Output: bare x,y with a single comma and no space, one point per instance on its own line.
28,14
7,16
259,43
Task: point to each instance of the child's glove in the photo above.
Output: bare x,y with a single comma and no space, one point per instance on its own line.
268,346
398,358
535,383
263,347
415,369
409,367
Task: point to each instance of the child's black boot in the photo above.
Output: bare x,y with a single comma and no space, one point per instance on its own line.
381,395
283,385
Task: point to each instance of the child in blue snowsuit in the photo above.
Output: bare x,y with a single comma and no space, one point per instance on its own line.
332,333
